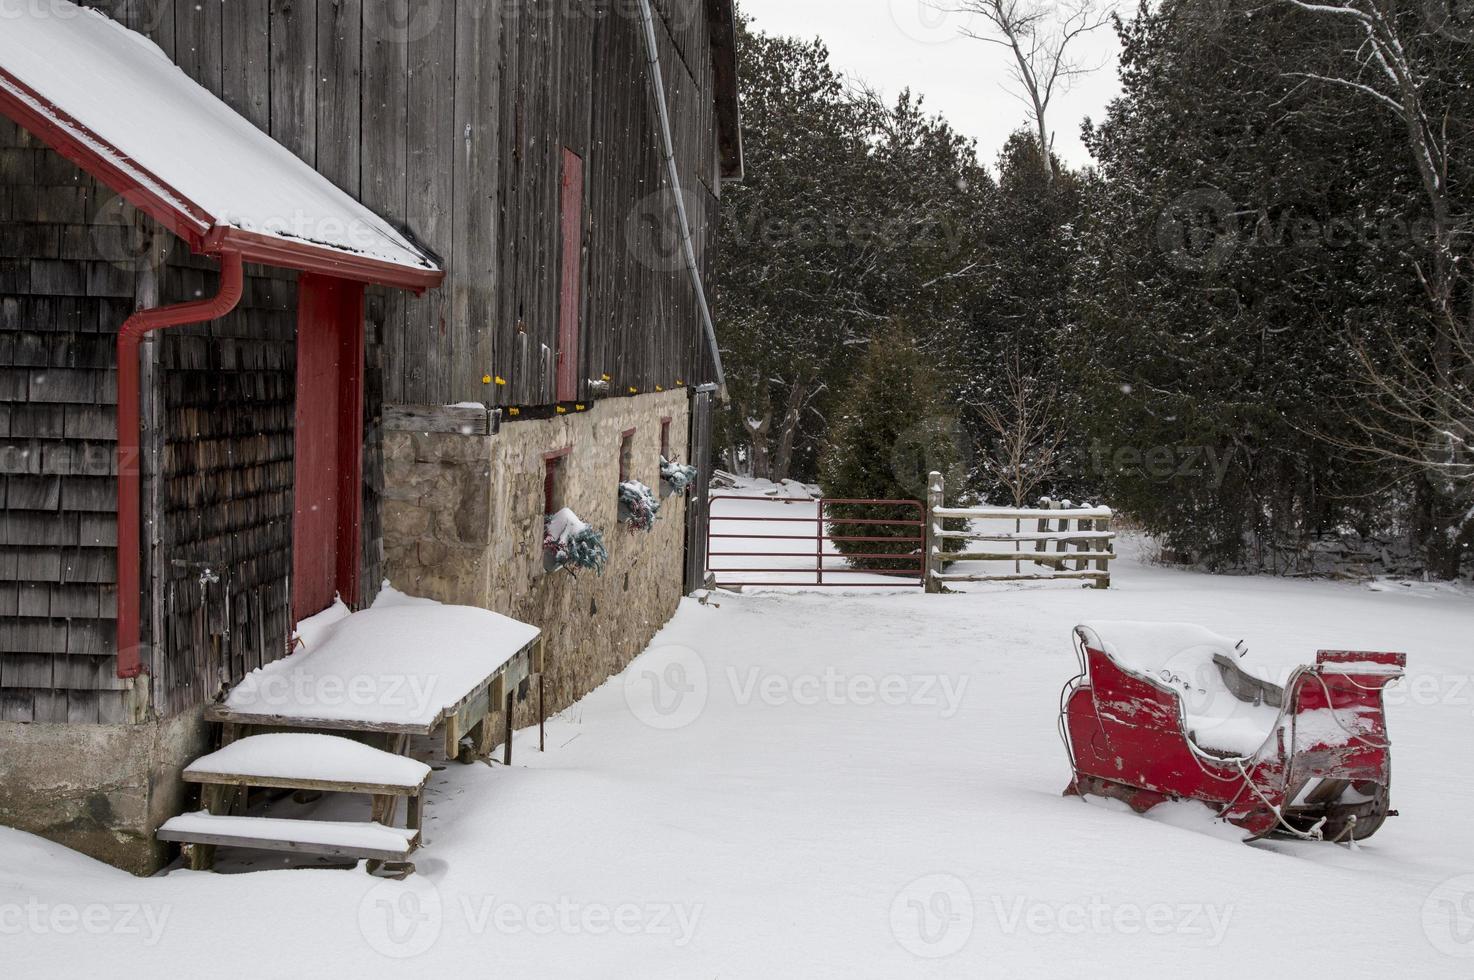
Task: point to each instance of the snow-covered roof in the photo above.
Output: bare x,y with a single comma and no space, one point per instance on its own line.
109,97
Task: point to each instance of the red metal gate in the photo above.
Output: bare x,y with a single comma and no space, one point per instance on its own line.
809,557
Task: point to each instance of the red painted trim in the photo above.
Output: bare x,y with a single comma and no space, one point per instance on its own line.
570,287
627,433
68,137
130,551
154,196
328,467
350,444
557,454
321,259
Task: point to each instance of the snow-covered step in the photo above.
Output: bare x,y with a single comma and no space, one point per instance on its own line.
300,760
362,841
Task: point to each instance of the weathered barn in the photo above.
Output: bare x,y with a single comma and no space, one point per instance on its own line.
487,308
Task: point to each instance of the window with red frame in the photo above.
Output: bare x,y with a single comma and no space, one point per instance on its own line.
553,481
665,438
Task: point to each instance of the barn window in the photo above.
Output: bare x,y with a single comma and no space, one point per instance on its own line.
626,454
665,437
553,479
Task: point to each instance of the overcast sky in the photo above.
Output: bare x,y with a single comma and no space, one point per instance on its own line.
894,44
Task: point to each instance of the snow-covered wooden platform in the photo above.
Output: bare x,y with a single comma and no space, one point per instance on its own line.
405,666
359,841
301,761
298,760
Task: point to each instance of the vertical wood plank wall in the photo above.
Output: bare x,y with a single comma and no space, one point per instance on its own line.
449,118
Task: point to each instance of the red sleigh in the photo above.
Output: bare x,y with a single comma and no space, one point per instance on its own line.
1166,712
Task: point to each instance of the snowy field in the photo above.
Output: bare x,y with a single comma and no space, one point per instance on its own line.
845,785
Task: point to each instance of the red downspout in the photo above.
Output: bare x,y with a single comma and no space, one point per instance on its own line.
130,552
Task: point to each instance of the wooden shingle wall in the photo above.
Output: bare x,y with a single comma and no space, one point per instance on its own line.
449,117
229,392
72,255
60,303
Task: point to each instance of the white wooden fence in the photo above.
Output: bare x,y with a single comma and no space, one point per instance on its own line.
1083,551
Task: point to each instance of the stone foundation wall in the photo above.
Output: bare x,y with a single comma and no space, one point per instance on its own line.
99,789
463,523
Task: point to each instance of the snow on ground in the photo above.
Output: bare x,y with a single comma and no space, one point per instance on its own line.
846,785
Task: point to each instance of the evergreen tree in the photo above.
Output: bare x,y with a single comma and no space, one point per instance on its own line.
1233,242
895,423
854,209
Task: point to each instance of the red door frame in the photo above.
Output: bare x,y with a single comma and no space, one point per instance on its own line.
570,299
326,547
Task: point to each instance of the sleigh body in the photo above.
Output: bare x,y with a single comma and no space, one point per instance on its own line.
1165,712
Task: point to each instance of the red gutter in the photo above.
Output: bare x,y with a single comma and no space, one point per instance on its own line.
304,256
130,551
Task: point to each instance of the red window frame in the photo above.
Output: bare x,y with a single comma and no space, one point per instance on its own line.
665,436
552,469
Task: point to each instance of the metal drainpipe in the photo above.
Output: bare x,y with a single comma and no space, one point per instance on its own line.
130,337
657,82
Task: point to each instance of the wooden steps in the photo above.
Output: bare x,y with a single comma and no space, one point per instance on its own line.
310,762
372,841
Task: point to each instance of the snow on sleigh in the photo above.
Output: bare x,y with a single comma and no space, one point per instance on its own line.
1166,711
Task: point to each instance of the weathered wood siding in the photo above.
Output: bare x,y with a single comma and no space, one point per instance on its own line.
59,306
452,123
229,400
71,266
449,117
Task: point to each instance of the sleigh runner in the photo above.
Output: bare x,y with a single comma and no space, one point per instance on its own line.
1167,712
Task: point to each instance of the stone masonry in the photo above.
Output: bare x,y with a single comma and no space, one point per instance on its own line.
463,523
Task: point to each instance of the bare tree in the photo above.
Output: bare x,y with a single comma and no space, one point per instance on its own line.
1423,412
1378,64
1027,428
1040,36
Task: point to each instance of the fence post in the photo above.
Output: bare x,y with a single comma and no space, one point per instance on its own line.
935,497
1106,544
1041,545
